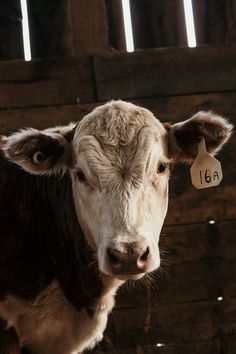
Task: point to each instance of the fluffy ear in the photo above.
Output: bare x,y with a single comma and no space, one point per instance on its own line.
184,136
40,152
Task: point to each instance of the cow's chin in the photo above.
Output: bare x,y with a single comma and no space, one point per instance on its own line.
130,276
124,277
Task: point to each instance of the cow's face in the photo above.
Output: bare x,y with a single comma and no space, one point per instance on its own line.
120,184
119,158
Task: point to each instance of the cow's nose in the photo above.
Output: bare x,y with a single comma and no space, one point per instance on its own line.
128,258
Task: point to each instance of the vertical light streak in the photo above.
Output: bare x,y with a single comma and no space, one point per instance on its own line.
128,26
190,28
25,26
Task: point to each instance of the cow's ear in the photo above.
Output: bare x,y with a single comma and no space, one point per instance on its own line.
40,152
183,137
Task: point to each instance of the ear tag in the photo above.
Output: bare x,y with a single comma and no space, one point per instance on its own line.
205,171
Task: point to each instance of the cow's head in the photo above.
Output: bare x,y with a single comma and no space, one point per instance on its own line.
119,159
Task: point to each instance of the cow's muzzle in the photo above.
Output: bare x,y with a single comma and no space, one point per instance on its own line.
128,260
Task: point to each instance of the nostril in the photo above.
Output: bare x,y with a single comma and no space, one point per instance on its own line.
111,254
145,255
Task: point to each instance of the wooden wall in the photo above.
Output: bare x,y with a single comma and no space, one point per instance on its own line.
181,309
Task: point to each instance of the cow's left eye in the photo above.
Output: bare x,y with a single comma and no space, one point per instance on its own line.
81,176
38,158
162,167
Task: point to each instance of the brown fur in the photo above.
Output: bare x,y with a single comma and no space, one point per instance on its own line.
184,137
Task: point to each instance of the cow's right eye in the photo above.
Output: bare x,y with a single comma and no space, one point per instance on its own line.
81,176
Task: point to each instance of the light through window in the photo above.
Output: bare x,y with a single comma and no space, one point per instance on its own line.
25,27
128,26
189,21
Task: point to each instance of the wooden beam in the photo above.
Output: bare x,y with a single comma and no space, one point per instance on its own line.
158,73
116,25
176,323
165,72
89,27
177,285
158,23
167,109
11,40
222,344
40,118
215,21
46,82
49,28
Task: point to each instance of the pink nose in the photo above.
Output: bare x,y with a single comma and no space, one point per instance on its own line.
128,258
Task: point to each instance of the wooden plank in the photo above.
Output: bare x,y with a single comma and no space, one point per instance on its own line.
49,28
116,25
11,40
206,347
40,118
210,21
175,323
178,108
182,283
224,344
165,72
167,109
157,23
231,20
58,81
89,32
46,82
215,21
196,242
219,345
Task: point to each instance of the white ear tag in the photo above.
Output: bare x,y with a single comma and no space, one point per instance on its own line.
205,171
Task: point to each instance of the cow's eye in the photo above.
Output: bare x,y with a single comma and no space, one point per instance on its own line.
38,158
81,176
162,168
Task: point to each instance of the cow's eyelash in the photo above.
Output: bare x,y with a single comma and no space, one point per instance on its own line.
81,176
163,167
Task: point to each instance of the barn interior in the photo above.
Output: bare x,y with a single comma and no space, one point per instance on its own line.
60,59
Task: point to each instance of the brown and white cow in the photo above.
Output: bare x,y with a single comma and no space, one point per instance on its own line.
81,210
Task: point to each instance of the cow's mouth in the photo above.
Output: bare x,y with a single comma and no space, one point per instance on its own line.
125,277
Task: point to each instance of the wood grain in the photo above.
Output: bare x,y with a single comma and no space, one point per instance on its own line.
45,82
167,109
158,23
11,40
176,323
90,29
49,28
215,21
165,72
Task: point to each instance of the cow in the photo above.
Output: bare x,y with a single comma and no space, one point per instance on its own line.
81,211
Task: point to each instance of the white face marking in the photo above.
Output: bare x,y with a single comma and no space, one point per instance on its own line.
118,207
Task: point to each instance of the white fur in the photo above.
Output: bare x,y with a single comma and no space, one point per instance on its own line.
50,324
112,209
